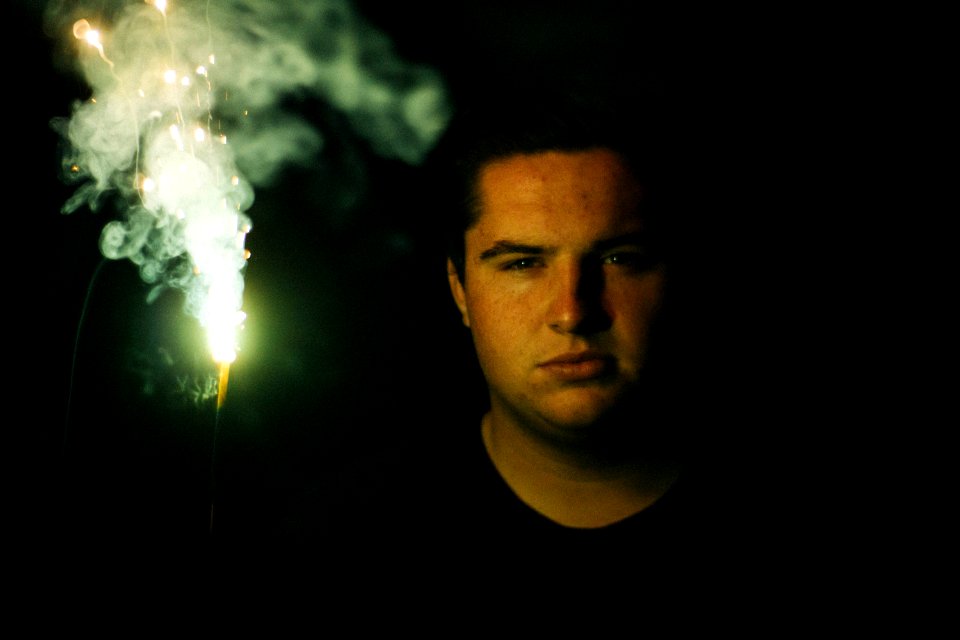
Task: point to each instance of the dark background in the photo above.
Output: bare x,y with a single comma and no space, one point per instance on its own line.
351,331
805,129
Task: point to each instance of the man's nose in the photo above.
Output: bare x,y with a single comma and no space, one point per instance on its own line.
576,304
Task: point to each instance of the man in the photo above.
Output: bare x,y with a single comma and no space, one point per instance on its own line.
560,287
560,264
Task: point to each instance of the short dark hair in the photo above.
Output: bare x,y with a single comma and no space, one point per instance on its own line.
519,122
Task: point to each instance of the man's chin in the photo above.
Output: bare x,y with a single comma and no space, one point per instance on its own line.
580,411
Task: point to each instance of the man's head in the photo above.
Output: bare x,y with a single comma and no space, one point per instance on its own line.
524,123
558,269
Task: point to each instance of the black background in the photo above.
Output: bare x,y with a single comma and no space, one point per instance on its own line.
350,331
804,127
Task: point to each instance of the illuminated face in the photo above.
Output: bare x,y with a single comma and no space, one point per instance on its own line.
559,287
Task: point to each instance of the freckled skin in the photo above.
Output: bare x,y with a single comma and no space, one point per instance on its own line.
569,297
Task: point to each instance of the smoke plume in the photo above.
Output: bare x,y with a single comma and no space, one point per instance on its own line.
188,115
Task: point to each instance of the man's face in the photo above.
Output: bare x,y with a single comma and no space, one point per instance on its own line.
559,289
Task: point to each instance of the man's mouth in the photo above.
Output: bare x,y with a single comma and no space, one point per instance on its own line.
581,365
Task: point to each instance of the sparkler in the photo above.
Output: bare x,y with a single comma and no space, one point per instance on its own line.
187,186
170,81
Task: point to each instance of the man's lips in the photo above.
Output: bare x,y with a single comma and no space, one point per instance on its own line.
577,365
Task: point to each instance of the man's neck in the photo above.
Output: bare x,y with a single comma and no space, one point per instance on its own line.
575,487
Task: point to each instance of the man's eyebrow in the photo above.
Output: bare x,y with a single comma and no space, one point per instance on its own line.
507,247
504,247
638,238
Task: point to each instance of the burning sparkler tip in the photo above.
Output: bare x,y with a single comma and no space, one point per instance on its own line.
224,376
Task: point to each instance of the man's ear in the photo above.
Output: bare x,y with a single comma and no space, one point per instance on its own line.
456,288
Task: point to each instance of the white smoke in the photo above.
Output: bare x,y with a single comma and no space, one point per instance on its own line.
187,116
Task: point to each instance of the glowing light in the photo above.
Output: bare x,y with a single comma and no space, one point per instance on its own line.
161,5
170,76
177,138
199,134
83,31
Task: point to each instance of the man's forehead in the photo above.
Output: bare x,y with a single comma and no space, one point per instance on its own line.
540,191
541,178
547,164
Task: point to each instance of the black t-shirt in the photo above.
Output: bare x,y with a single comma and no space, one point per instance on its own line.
431,520
445,511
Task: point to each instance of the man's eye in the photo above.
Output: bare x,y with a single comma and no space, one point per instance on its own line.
636,260
521,263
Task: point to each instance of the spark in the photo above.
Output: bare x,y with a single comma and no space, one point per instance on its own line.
83,31
161,5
